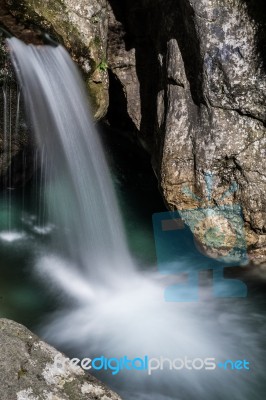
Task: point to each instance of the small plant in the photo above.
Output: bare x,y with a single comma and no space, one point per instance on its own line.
103,66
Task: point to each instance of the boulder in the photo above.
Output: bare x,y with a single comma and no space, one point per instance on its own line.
28,370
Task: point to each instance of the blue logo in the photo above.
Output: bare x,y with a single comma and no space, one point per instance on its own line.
201,238
237,365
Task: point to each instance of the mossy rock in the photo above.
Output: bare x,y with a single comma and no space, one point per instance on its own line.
80,26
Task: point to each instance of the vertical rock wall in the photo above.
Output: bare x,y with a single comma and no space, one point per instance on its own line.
200,67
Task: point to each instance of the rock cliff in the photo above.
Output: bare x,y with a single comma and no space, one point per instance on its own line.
191,78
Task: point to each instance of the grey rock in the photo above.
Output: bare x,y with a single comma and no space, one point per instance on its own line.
200,68
28,371
122,65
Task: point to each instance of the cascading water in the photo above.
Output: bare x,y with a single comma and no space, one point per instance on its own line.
85,204
10,99
113,309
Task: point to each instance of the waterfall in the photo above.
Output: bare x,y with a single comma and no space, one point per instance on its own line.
83,203
109,307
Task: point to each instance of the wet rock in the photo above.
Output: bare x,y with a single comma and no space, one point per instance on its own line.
28,371
15,143
81,26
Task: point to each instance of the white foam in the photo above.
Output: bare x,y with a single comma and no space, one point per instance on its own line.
11,237
43,230
132,319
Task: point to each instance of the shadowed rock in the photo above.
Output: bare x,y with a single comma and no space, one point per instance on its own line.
194,84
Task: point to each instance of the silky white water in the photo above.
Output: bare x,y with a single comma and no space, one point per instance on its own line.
109,307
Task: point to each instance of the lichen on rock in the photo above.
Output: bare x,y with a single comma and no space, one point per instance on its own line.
28,370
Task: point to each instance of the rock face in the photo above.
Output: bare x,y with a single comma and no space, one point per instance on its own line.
194,87
81,26
28,371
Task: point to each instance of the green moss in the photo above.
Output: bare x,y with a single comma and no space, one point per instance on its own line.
21,372
71,391
103,66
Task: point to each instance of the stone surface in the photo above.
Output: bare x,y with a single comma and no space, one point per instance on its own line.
81,26
201,111
28,371
122,70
